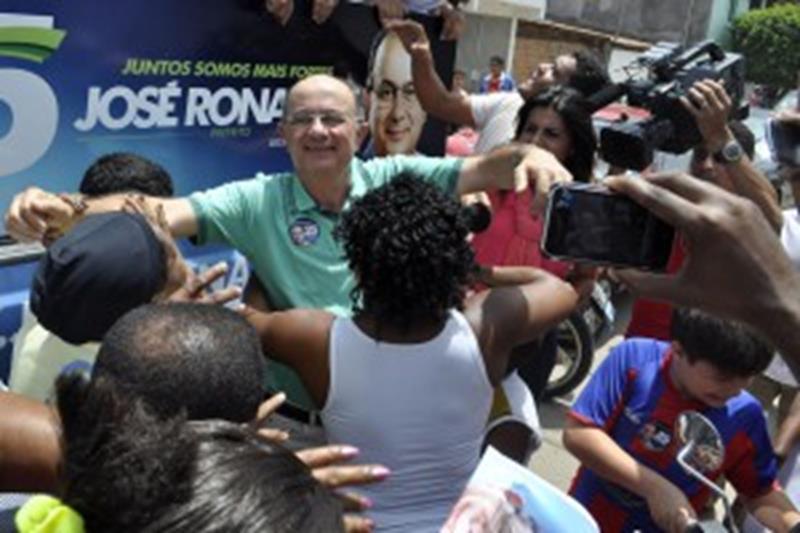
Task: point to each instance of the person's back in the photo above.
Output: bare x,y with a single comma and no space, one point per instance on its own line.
409,378
421,408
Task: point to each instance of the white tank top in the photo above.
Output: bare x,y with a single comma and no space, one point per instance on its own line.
418,409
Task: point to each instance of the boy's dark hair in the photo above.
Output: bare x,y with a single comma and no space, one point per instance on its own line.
406,242
590,74
497,60
730,347
202,359
126,470
125,172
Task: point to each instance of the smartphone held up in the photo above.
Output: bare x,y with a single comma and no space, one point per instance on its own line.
590,223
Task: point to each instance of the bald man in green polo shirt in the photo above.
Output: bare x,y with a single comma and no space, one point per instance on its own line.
283,222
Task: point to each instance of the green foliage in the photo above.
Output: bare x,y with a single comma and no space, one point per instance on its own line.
770,41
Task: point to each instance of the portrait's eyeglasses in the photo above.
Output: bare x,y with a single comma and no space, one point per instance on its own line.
329,119
386,92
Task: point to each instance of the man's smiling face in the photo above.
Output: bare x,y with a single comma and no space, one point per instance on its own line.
320,127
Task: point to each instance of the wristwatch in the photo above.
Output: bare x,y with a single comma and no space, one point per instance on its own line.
732,152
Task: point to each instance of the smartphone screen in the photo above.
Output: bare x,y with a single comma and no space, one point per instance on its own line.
592,224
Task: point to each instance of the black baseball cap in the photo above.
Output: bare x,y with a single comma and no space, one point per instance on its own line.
105,266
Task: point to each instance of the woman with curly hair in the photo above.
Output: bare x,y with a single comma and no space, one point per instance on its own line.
409,378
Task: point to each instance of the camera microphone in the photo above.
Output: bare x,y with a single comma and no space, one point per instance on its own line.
478,216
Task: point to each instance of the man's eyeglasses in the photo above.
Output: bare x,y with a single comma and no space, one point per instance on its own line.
329,119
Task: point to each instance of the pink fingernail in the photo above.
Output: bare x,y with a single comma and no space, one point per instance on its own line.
367,503
381,471
349,451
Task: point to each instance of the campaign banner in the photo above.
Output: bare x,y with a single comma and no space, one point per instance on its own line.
198,87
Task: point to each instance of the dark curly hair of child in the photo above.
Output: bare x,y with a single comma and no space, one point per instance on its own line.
406,243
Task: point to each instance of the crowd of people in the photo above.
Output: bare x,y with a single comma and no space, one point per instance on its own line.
381,343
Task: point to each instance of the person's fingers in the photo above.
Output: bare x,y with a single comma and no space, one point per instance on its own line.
212,274
651,285
32,214
697,97
129,205
721,94
244,310
17,225
338,475
222,296
655,197
689,106
520,178
275,435
269,406
322,10
358,524
452,29
709,95
49,211
353,502
161,217
196,284
281,10
327,455
681,520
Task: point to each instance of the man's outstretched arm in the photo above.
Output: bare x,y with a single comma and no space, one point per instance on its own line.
39,215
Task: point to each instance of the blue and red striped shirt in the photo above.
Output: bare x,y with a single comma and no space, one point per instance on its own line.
631,396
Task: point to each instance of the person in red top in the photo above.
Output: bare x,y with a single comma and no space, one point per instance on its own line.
557,121
723,158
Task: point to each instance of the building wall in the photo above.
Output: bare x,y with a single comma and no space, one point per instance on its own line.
538,44
684,21
723,12
484,37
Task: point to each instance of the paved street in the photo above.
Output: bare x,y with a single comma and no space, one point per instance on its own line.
552,461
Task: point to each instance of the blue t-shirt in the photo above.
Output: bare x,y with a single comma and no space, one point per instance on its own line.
631,397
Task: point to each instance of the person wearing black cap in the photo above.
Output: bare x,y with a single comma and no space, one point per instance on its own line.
116,172
107,265
84,281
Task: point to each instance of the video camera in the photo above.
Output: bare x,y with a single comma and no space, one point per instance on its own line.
656,81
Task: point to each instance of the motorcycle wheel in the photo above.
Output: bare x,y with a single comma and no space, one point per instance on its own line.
573,359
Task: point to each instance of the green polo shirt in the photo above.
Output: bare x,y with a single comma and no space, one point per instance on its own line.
289,239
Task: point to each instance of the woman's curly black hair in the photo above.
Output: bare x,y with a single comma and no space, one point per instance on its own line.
407,244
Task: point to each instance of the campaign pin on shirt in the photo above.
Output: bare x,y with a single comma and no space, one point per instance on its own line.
304,231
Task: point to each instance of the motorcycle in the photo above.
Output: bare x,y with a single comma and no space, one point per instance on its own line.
577,338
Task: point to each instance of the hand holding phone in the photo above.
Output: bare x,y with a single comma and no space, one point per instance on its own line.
590,223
